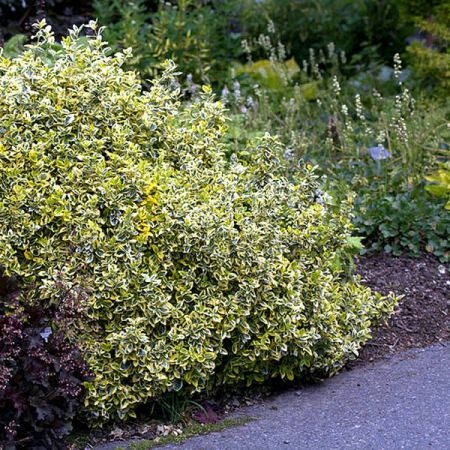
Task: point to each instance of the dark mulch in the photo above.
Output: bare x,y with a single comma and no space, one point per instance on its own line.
422,317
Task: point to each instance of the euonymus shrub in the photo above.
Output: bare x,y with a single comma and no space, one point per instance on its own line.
199,270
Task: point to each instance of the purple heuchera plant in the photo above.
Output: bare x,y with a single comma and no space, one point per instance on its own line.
379,152
41,373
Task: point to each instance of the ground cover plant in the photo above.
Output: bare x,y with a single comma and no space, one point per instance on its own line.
197,268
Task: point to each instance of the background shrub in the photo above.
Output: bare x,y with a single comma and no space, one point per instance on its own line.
439,183
369,30
429,49
198,270
200,37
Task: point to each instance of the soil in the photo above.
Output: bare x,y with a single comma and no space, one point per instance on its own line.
422,317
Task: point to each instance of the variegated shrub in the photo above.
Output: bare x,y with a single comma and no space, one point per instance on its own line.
197,269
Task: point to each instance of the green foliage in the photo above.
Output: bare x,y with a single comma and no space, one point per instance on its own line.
344,258
178,32
197,272
196,35
272,75
126,28
407,221
14,46
430,54
366,135
176,408
409,10
366,29
440,180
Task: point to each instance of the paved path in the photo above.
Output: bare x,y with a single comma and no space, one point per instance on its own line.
401,403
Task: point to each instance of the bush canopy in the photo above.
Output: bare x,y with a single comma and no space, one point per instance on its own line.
198,269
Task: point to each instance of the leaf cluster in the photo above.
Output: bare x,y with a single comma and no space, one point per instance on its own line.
198,36
404,222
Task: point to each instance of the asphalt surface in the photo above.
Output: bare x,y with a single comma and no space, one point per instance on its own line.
401,403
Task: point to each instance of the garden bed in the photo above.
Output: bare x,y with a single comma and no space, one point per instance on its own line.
184,275
422,316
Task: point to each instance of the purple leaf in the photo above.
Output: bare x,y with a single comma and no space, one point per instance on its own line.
206,415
